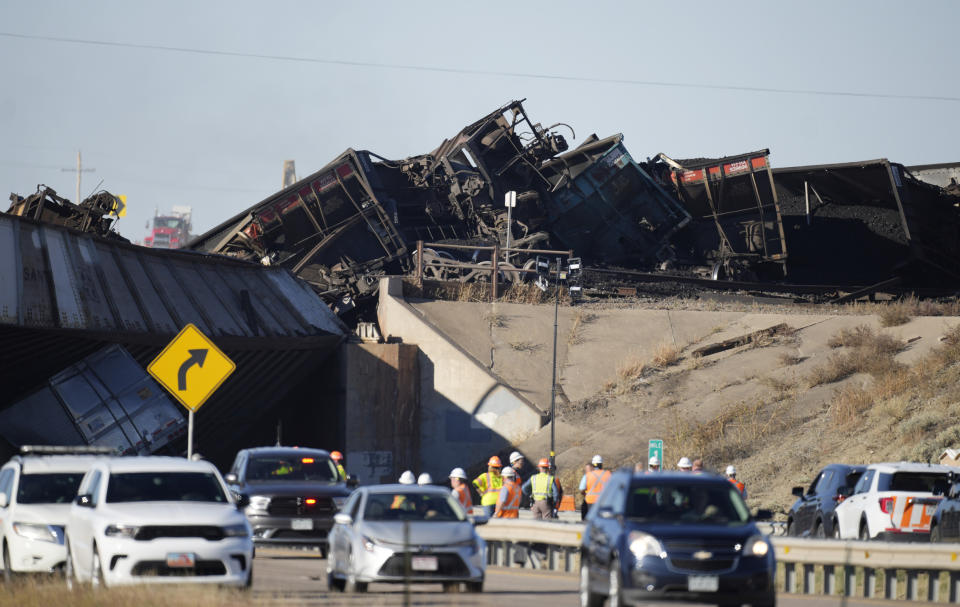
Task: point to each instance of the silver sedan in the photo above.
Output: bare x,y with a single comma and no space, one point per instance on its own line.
394,533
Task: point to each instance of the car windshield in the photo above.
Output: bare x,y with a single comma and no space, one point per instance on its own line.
411,507
293,467
58,488
911,481
164,487
686,504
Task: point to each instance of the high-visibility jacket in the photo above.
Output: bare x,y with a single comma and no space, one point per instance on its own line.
542,486
462,493
508,503
342,472
740,487
596,479
488,486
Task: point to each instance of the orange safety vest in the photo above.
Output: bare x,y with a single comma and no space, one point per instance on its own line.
596,479
740,486
463,496
510,507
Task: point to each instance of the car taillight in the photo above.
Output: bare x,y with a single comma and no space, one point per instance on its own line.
839,498
886,504
310,501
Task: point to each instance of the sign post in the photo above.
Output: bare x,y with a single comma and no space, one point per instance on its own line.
510,201
655,447
191,368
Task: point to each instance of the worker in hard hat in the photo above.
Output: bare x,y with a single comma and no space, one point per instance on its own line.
519,464
543,490
508,501
461,491
489,484
400,500
685,465
653,464
592,484
424,479
337,458
732,477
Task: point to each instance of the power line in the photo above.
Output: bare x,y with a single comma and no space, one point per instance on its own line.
474,72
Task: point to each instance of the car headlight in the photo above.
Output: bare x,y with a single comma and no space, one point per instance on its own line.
258,504
473,544
31,531
339,502
368,543
643,544
128,531
239,530
757,545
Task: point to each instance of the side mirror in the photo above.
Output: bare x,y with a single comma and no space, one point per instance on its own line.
844,492
231,478
763,514
85,500
477,520
798,491
242,500
352,481
3,500
343,518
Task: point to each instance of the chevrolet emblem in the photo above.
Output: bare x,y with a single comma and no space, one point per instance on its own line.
702,555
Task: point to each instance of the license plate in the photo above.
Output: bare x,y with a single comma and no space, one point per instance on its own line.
181,560
302,524
703,583
423,563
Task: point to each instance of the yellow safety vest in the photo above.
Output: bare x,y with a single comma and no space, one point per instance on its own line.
489,488
342,472
540,486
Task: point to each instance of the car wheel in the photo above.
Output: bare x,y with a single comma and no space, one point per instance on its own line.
790,529
587,598
451,586
935,536
96,571
836,530
818,531
324,551
335,583
475,587
7,568
771,603
69,575
247,585
613,595
864,534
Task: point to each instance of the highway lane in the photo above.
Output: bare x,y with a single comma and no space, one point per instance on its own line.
285,577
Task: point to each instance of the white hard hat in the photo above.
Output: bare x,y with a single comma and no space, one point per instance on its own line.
407,478
731,470
597,460
514,457
654,460
684,463
508,471
425,479
458,473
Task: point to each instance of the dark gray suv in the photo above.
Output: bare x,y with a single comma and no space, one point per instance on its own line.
289,494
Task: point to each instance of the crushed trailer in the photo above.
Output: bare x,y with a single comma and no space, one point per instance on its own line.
89,216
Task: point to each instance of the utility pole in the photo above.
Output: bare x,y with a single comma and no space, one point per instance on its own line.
553,371
79,171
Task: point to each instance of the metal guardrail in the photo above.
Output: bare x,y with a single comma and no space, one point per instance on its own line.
891,570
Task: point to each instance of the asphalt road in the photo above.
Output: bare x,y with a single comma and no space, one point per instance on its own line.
289,578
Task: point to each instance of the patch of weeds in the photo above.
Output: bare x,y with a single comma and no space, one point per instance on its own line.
788,359
894,315
525,346
665,355
496,320
582,318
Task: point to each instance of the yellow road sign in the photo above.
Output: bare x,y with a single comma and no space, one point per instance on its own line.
191,367
120,209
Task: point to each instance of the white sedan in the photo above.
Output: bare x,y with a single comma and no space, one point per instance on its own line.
393,533
157,520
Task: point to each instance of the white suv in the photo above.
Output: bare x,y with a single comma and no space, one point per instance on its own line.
892,502
157,520
36,490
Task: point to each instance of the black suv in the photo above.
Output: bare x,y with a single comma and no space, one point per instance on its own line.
289,494
812,514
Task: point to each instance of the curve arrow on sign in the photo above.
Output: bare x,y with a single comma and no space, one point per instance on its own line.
196,358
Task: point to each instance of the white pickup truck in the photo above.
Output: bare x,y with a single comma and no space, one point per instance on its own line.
892,502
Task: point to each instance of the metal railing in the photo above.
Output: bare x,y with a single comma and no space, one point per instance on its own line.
890,570
494,267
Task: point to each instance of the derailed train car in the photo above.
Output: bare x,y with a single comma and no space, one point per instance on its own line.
359,217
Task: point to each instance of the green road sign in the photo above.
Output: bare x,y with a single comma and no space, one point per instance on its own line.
655,448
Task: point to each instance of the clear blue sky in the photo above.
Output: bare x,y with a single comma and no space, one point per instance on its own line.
211,130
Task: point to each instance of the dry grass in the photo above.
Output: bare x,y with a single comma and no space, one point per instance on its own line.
732,434
867,352
525,346
42,592
665,355
781,386
631,370
580,320
788,359
496,320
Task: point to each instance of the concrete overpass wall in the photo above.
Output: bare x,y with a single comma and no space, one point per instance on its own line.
467,413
